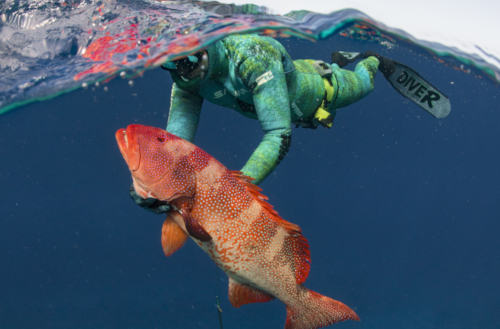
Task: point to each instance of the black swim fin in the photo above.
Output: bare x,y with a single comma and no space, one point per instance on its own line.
405,80
342,58
412,86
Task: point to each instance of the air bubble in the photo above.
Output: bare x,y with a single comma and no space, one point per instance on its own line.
85,85
122,74
130,83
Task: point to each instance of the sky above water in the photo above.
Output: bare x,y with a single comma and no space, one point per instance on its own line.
462,24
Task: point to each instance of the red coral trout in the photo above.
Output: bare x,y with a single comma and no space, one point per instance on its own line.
264,256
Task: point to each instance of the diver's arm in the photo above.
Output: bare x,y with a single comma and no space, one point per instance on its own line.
185,108
273,112
353,86
183,120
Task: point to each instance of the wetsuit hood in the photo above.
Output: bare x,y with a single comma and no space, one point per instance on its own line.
217,59
217,62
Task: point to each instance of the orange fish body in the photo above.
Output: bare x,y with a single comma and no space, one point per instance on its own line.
264,256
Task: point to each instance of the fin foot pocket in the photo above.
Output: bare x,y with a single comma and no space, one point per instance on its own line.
386,66
342,58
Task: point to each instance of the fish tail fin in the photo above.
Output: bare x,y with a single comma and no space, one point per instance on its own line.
316,311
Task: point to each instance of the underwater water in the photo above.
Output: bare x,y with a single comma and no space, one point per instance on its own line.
401,209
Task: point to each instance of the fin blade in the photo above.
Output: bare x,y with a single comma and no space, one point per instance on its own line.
240,294
317,311
172,236
422,92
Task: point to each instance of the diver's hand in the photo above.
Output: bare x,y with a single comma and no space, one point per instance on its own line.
386,65
154,205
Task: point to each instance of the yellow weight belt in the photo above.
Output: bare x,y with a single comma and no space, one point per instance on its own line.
322,115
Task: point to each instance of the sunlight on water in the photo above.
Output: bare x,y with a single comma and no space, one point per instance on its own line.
49,48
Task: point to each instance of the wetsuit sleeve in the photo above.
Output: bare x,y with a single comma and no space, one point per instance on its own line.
265,77
185,108
353,86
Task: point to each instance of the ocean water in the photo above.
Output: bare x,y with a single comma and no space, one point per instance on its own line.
401,210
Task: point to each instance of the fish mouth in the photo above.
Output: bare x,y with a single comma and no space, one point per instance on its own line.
129,147
142,189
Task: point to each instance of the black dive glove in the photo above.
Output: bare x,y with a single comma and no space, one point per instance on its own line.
386,65
154,205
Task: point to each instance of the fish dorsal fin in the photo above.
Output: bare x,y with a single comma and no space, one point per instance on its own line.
240,294
172,236
239,174
295,240
253,189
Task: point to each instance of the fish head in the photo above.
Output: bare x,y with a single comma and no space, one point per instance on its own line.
158,161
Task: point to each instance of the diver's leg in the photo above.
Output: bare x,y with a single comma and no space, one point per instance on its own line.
353,86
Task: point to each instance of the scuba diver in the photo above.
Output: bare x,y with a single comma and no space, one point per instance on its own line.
255,76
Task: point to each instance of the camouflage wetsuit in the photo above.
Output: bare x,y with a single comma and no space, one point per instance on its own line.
255,76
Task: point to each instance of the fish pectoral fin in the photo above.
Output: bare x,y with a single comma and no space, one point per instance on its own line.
195,229
240,294
172,236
